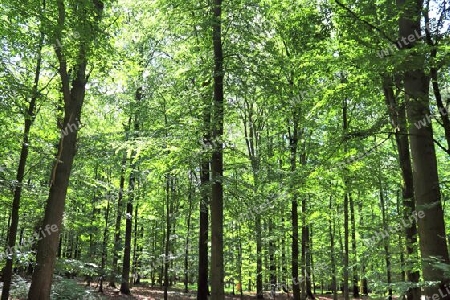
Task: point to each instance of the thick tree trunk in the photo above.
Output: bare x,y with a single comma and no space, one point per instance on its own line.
217,264
397,113
426,180
28,121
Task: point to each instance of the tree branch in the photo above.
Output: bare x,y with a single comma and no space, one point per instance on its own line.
381,32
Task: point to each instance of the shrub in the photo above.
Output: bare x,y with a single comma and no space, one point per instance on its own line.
68,289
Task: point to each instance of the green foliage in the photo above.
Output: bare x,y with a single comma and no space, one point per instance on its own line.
69,289
286,62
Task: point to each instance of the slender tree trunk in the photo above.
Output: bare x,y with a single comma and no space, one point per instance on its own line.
105,243
217,265
125,287
293,143
386,241
284,263
400,241
306,250
355,257
93,229
28,122
135,268
259,269
126,265
187,245
332,251
117,244
346,248
252,139
169,182
305,275
272,265
241,293
364,283
346,233
205,192
431,227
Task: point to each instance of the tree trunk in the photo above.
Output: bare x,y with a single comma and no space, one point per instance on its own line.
28,122
426,180
332,252
217,265
346,185
385,242
259,269
355,257
202,283
397,113
169,183
272,264
135,269
126,266
346,249
188,241
105,241
117,244
364,283
252,139
74,94
202,290
293,143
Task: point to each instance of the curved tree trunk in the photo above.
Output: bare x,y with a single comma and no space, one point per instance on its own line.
74,94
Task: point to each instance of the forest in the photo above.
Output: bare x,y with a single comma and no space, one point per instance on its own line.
212,149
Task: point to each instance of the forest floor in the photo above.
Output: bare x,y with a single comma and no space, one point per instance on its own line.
147,293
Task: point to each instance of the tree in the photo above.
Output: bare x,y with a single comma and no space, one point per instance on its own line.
433,245
217,265
73,95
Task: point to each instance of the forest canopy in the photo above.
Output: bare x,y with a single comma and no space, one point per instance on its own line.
256,148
